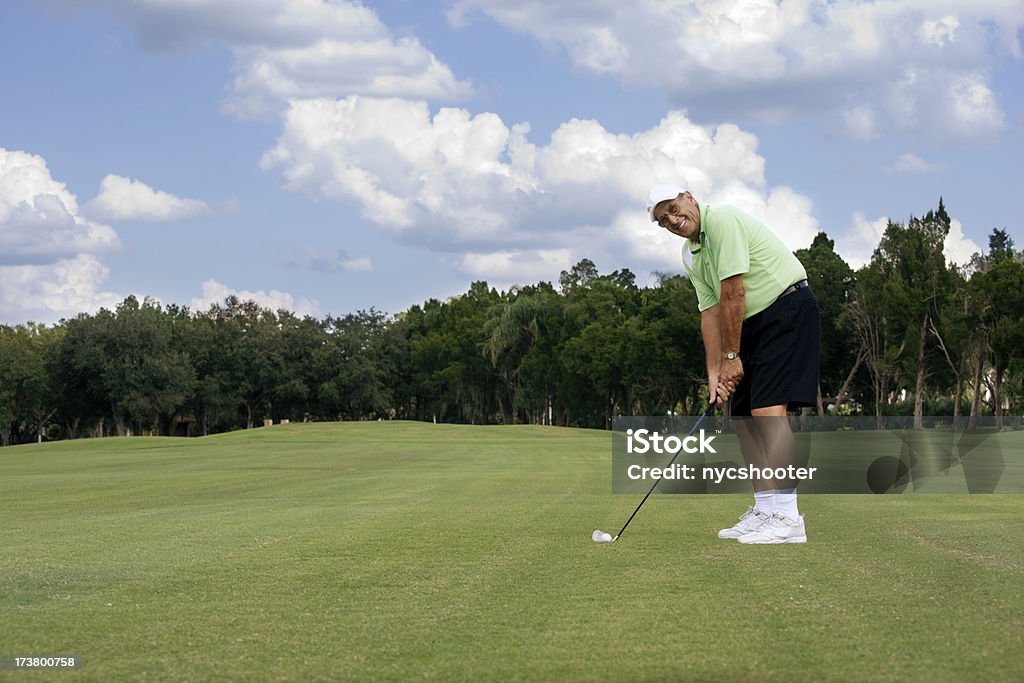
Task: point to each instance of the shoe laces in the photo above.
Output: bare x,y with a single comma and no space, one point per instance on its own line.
753,518
763,521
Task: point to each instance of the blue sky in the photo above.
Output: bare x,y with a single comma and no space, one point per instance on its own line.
328,157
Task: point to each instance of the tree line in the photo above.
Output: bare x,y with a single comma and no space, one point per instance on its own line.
908,334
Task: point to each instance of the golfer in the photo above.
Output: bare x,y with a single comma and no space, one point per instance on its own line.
762,338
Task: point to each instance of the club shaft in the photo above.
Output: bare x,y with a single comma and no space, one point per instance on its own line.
658,480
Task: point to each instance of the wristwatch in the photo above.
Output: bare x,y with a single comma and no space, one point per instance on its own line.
730,355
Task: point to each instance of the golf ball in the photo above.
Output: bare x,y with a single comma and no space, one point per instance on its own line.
606,537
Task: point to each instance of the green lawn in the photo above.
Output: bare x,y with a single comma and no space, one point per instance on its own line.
399,551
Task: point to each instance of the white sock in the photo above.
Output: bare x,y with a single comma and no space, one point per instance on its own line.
785,503
764,501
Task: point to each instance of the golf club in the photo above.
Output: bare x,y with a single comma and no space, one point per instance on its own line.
604,537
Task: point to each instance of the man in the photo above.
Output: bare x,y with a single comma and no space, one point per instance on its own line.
762,338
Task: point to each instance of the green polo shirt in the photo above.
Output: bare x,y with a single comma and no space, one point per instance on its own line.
730,243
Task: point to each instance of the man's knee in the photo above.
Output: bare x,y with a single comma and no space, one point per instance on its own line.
769,411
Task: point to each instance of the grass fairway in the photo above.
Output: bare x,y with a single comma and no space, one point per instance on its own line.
398,551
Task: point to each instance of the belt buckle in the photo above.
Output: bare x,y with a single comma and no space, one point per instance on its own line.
789,290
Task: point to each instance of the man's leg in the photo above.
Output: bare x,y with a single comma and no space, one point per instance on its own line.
778,446
752,446
766,442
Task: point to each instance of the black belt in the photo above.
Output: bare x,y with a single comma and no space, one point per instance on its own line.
793,287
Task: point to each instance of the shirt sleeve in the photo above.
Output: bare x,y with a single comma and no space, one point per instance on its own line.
707,296
729,240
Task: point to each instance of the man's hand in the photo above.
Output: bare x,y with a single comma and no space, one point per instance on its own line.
713,388
728,378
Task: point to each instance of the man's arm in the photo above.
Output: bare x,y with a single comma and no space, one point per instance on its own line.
711,332
732,302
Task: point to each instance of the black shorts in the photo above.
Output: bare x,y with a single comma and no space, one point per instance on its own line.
780,348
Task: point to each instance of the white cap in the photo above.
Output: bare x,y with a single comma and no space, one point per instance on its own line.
660,193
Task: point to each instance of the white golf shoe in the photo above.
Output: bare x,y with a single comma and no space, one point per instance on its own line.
751,520
777,529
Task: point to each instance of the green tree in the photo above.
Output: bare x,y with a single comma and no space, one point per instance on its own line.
296,341
1000,246
955,334
664,357
594,349
998,290
350,369
580,275
914,277
26,393
146,379
212,338
79,369
455,381
833,283
877,342
510,331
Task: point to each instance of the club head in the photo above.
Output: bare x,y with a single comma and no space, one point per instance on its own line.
601,537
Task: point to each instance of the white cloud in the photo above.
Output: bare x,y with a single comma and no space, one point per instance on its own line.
402,166
516,267
913,164
599,50
266,78
39,219
46,293
48,263
936,104
957,247
788,213
848,56
216,292
940,31
974,107
639,40
473,185
285,49
340,262
862,123
859,242
357,265
122,199
167,25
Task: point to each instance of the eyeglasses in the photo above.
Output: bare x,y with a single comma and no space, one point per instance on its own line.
671,210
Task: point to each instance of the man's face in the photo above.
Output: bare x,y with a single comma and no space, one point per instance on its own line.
680,216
